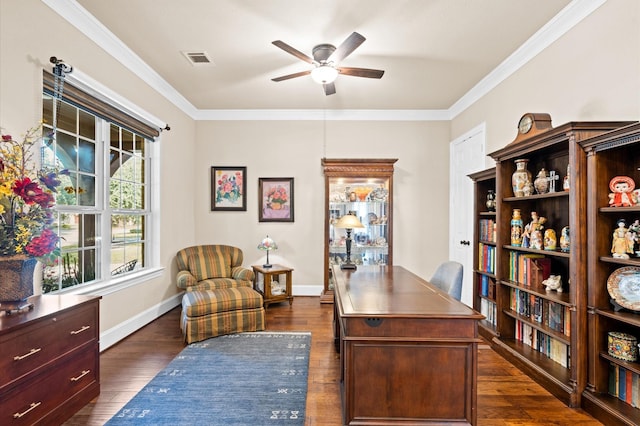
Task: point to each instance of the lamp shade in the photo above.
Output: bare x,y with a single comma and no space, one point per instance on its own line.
267,244
324,74
349,221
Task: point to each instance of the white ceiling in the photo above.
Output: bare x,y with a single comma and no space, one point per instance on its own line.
437,54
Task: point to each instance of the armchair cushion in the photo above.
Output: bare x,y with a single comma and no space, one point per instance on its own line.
208,267
216,265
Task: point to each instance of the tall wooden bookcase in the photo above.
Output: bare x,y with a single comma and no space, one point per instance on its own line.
616,153
484,243
544,333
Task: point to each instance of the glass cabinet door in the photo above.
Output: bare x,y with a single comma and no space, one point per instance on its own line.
367,199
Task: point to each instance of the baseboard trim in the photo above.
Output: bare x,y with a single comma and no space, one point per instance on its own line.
112,336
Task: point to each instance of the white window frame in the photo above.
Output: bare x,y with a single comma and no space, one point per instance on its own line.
109,284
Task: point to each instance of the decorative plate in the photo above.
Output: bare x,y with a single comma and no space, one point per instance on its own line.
624,287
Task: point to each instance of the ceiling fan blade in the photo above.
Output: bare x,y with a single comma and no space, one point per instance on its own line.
361,72
329,89
294,75
295,52
346,48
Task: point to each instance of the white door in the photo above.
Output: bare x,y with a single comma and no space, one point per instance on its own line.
466,156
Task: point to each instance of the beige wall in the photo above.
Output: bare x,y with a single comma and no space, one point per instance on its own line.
591,73
29,34
294,149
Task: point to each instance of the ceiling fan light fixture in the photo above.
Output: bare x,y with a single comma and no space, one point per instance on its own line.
324,74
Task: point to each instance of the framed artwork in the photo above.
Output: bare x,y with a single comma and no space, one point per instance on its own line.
228,188
275,199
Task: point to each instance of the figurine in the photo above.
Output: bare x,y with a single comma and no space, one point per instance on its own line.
634,230
566,183
554,282
622,192
622,243
565,240
550,239
532,234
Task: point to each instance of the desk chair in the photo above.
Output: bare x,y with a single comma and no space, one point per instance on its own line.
448,277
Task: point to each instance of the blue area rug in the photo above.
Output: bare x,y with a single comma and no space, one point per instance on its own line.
239,379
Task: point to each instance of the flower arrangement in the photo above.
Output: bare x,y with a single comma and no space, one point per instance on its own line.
26,200
277,196
229,187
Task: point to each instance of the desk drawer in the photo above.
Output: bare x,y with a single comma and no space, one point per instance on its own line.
43,341
434,328
50,389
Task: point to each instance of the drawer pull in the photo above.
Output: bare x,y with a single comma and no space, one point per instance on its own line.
84,373
31,352
84,328
31,407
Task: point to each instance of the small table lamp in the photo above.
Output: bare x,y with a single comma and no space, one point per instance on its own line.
267,244
348,222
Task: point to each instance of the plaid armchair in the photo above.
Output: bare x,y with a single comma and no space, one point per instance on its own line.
219,297
210,267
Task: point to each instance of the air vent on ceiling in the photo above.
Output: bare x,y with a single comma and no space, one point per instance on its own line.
198,58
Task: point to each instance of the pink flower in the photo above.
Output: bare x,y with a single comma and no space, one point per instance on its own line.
43,244
28,190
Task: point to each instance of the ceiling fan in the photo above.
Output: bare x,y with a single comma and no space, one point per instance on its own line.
325,62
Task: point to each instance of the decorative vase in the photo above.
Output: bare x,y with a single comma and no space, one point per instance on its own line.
16,279
521,178
491,200
516,228
542,182
276,206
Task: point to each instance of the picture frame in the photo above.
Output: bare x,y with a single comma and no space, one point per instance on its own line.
228,188
275,200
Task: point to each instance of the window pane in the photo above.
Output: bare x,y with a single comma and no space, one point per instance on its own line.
115,194
87,157
114,136
67,117
127,246
47,109
66,152
86,190
87,125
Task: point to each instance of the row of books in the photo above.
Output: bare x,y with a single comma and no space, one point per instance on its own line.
487,287
487,229
528,269
489,310
487,258
554,315
552,348
624,384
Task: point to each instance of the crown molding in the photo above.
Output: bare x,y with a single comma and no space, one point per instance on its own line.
560,24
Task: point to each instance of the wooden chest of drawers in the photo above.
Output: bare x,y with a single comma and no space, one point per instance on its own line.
49,360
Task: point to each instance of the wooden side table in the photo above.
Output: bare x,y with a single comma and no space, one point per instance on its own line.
273,290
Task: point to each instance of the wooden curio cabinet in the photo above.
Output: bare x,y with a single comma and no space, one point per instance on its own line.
484,251
612,393
365,188
544,333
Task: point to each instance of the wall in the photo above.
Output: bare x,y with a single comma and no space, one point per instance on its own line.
294,149
591,73
30,33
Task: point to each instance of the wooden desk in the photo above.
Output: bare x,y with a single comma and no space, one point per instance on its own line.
408,351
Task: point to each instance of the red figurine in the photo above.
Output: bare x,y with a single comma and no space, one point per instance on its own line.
622,196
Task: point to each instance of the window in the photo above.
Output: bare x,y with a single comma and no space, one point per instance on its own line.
103,202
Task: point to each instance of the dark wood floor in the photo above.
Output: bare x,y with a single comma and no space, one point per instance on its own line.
505,395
